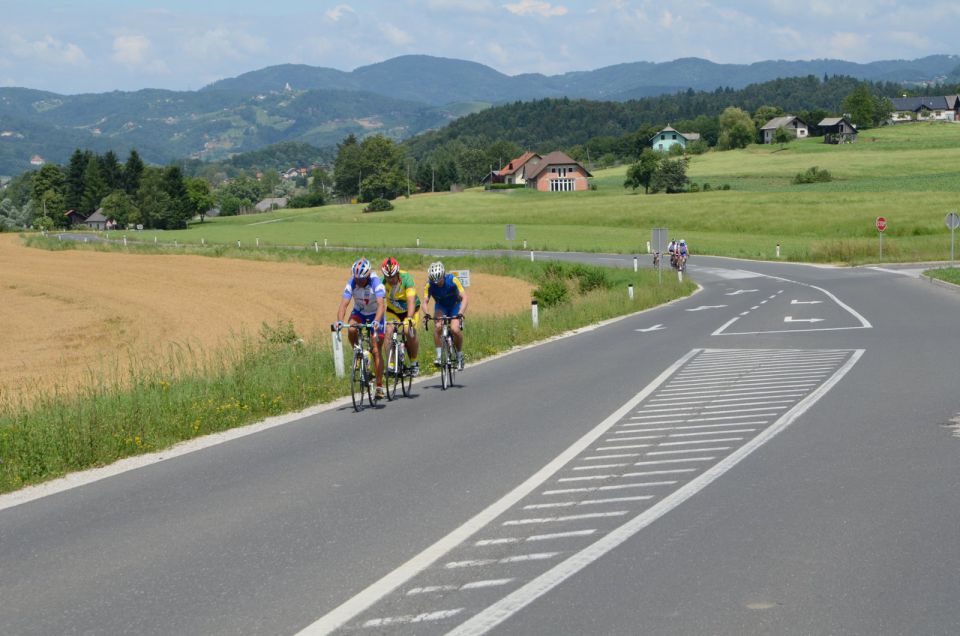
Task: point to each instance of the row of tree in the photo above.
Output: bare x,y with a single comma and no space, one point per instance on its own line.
131,193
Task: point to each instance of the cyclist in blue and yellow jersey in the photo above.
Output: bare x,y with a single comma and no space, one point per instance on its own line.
449,300
367,292
403,305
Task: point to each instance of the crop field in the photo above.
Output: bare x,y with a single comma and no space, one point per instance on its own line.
74,317
906,173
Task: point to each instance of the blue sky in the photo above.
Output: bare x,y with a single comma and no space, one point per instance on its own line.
103,45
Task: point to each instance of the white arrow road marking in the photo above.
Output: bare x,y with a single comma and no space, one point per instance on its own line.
805,302
702,307
656,327
742,291
792,319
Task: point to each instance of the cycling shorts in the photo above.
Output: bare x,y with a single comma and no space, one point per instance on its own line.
447,310
416,318
365,318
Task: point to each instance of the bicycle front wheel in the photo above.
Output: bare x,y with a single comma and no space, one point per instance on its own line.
394,371
452,362
357,381
406,375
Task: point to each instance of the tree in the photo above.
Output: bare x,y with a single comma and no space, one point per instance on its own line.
112,171
152,199
94,187
119,207
641,173
764,114
860,106
737,129
132,173
671,176
179,211
74,179
782,137
347,168
199,196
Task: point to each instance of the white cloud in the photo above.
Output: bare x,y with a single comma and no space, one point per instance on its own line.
219,43
394,35
135,52
339,11
50,50
847,45
535,7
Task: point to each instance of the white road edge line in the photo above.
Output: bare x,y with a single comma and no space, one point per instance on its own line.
511,604
340,615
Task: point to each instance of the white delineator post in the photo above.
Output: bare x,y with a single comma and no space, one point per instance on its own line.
316,246
124,241
648,247
630,290
534,314
524,244
778,250
531,256
337,353
634,264
238,243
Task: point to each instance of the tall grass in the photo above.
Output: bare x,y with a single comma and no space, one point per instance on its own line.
190,393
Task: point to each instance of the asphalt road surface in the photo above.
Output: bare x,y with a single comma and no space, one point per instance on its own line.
777,454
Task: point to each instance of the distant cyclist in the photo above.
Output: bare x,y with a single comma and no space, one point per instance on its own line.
367,292
449,300
403,305
682,254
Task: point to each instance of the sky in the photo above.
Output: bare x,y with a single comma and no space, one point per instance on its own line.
96,46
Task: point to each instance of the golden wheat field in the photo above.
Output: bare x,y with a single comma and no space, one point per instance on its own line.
71,316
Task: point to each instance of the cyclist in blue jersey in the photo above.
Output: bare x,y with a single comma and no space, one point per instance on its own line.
449,300
366,291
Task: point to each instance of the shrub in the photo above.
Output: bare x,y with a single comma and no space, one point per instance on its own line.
726,186
309,200
694,188
505,186
378,205
550,293
706,187
813,175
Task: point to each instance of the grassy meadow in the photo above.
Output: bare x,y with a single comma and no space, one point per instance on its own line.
906,173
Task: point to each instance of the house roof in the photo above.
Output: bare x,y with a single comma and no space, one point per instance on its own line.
553,159
780,122
914,104
97,217
671,129
516,164
833,121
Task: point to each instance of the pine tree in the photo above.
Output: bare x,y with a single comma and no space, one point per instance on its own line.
132,173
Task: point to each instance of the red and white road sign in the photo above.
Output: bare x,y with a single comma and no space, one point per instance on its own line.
881,224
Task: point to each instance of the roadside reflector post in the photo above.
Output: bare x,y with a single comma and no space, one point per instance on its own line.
258,241
630,290
176,243
534,314
524,243
778,250
316,246
203,241
324,242
418,241
531,256
124,241
59,237
238,243
154,240
648,247
337,353
634,267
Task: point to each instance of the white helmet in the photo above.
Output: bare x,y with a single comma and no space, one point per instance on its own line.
436,272
683,242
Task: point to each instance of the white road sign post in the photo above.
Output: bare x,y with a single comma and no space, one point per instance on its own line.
953,222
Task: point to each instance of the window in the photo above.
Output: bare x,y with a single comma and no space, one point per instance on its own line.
673,136
562,185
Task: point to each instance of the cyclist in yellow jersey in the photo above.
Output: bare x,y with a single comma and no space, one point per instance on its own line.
403,305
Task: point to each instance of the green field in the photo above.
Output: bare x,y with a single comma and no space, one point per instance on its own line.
906,173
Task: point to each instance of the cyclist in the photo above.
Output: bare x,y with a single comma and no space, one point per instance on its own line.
367,292
682,253
403,305
449,300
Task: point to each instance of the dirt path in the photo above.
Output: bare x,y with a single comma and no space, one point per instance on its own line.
68,314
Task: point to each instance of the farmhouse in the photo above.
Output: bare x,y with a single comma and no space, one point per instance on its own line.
670,136
96,221
556,172
793,125
838,130
940,108
514,171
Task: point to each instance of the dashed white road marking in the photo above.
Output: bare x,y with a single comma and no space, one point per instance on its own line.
406,620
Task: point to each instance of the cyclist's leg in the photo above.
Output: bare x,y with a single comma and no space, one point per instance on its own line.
377,346
353,333
413,345
455,328
438,313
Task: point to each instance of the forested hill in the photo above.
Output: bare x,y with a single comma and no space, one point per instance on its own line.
549,124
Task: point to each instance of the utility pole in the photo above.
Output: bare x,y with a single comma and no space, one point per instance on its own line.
432,171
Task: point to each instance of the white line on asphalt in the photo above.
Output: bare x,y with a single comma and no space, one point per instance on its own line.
605,457
674,461
612,440
647,473
503,609
600,502
431,589
478,585
625,447
740,396
562,535
587,478
736,430
598,467
645,484
519,558
406,620
689,450
502,541
705,441
387,584
589,515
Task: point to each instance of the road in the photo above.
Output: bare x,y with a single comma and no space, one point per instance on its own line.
776,454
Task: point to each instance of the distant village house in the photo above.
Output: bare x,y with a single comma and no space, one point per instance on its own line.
554,172
793,125
670,136
940,108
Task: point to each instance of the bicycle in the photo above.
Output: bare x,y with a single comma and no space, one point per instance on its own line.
449,362
397,371
656,259
361,367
